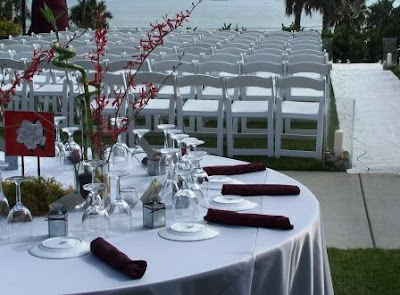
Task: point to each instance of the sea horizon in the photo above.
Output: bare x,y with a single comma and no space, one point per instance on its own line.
262,14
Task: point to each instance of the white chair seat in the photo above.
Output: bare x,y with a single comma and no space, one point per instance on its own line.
195,107
249,108
157,105
306,92
299,108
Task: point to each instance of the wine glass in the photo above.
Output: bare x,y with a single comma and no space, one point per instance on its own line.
95,219
120,148
4,206
170,134
170,187
119,210
19,218
59,146
130,195
164,128
185,203
140,133
71,147
179,143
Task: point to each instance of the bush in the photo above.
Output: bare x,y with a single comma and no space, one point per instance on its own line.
8,27
37,194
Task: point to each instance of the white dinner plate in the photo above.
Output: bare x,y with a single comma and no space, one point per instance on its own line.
242,206
188,227
228,199
60,248
177,233
216,181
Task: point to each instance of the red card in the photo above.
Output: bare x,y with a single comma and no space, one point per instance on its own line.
29,133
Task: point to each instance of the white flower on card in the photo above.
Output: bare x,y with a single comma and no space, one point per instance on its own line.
31,134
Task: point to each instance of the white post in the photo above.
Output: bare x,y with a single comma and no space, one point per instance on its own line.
338,142
389,59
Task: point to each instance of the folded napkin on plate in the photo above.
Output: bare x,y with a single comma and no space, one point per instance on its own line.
256,220
117,260
259,189
234,169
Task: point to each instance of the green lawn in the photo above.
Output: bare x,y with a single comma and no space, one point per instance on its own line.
365,271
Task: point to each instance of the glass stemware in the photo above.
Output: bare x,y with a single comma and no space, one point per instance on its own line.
95,219
19,218
4,206
119,149
59,146
130,195
164,128
179,143
170,134
119,210
72,149
170,187
185,203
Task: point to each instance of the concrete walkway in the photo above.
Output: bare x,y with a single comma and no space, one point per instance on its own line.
358,210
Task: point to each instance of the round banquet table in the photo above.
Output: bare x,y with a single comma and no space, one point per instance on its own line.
240,260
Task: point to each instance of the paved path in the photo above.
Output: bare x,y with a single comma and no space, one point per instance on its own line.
376,137
358,210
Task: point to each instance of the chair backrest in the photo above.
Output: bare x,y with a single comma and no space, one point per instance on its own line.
19,47
308,67
245,46
195,50
122,65
269,50
7,42
306,51
207,45
178,56
264,57
285,84
200,81
263,67
218,68
8,63
159,79
225,57
168,66
271,45
305,46
297,58
233,50
5,54
264,84
121,49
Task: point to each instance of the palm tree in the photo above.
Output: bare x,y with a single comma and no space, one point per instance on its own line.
81,14
380,15
296,7
327,9
351,14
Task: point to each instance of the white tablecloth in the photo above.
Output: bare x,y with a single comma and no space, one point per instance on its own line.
241,260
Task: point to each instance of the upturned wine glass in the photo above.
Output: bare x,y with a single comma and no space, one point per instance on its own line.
119,210
71,147
19,218
95,219
120,149
170,187
4,206
164,128
59,145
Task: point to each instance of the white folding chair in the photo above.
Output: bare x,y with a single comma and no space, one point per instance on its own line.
160,108
306,109
202,108
259,109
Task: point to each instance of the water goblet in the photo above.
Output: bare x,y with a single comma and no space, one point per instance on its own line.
59,146
179,143
4,206
119,149
164,128
170,133
119,210
71,147
170,187
140,133
185,203
95,219
130,195
19,218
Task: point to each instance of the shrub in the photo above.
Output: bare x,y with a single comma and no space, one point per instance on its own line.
8,27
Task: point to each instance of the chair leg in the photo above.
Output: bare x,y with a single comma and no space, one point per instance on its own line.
229,135
319,139
278,134
220,136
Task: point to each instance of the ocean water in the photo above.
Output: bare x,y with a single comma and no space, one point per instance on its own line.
266,14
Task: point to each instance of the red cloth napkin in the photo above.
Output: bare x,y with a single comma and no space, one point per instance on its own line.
260,189
117,260
256,220
234,169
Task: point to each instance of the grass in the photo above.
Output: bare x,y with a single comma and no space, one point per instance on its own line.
365,271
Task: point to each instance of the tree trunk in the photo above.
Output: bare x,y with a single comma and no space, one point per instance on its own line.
298,9
39,23
23,16
83,15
